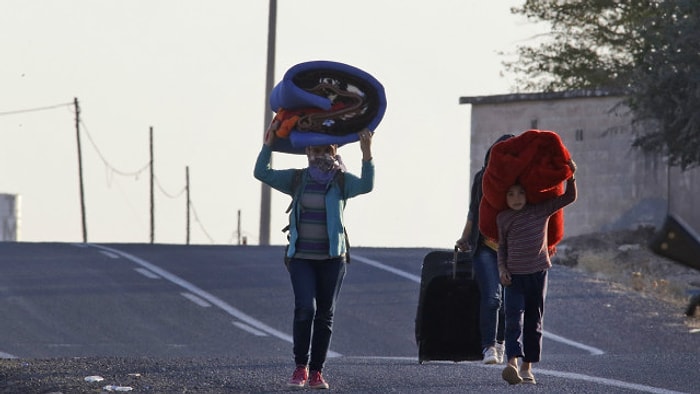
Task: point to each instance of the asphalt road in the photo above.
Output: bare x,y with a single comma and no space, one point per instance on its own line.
223,314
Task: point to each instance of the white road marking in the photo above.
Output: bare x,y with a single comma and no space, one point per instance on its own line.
592,350
196,300
416,278
221,304
385,267
250,329
109,254
547,372
148,274
605,381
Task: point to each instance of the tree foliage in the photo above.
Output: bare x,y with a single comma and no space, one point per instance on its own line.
648,49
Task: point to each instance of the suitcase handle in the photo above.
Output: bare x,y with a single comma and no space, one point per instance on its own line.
454,264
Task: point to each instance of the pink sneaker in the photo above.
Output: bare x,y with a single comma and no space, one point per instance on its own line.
316,381
299,377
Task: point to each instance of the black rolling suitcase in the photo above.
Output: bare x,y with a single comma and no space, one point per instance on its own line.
447,320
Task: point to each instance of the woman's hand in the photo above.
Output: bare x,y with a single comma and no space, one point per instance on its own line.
366,144
270,134
463,244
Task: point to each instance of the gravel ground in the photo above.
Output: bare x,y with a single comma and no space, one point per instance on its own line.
620,257
142,375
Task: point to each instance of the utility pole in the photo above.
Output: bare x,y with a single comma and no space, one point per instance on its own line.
187,192
80,168
238,230
270,77
153,206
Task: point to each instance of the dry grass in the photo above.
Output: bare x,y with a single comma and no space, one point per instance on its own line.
624,258
640,274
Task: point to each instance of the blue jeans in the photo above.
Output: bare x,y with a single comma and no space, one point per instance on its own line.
491,316
316,285
524,306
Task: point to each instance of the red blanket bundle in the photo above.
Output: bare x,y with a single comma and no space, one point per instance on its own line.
538,160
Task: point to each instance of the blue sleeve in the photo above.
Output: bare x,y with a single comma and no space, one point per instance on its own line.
280,180
364,184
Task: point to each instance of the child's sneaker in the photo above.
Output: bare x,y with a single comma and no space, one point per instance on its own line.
510,374
299,377
490,356
316,381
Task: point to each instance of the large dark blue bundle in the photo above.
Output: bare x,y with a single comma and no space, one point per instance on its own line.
323,103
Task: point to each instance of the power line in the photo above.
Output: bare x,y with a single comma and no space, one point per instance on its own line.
138,172
199,222
104,160
21,111
170,195
132,173
107,164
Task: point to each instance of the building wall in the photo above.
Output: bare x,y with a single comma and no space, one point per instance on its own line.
619,186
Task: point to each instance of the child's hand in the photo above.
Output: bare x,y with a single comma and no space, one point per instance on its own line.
504,276
572,165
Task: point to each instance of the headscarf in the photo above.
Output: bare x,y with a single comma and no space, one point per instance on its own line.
323,168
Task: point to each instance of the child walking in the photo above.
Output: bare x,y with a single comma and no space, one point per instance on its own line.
523,263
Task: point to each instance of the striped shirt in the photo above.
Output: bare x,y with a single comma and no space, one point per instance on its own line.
522,235
313,241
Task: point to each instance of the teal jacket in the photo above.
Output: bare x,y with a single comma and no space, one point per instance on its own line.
282,180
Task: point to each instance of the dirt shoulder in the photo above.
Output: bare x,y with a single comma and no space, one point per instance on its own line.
624,257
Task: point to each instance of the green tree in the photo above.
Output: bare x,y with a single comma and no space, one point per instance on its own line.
647,49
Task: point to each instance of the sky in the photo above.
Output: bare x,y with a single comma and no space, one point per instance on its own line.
194,71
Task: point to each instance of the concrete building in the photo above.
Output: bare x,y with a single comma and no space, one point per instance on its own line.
619,186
